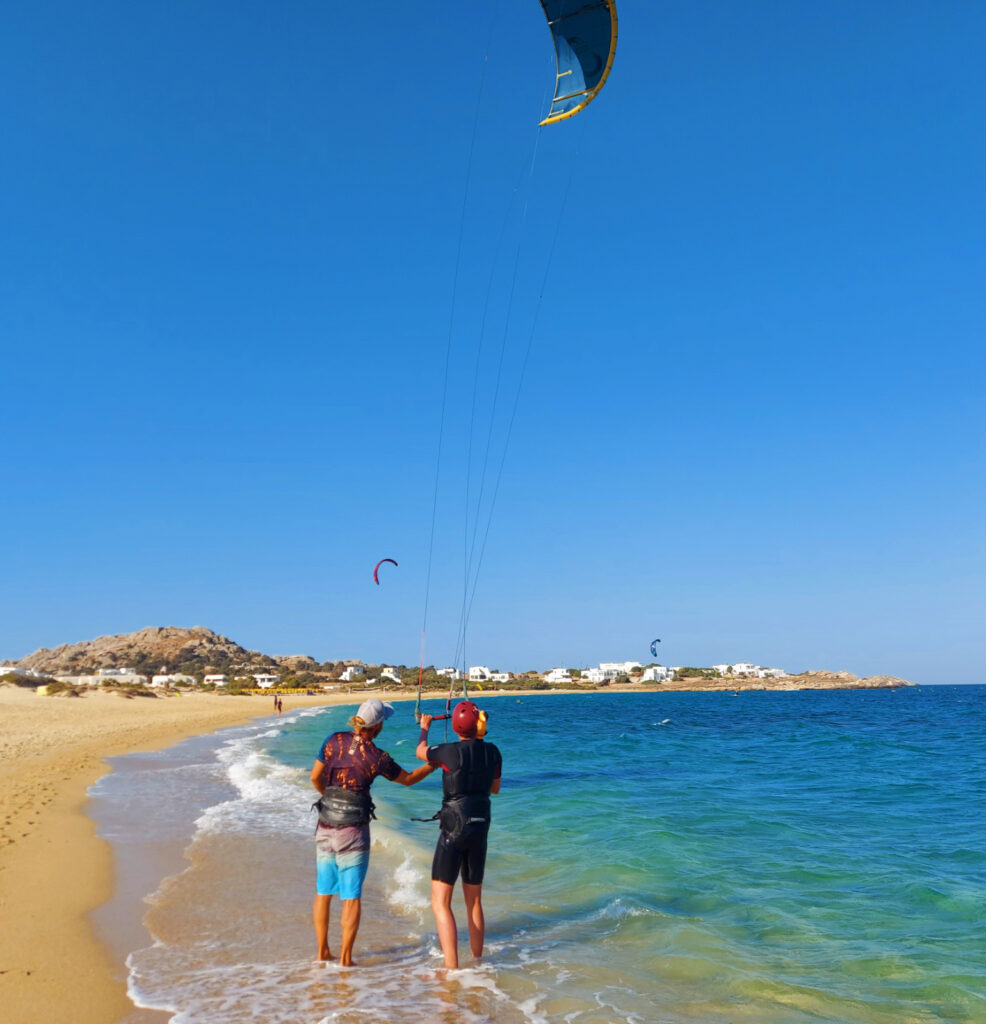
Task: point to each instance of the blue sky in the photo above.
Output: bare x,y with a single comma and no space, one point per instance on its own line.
752,418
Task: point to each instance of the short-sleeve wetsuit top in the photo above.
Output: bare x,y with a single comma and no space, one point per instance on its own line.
352,762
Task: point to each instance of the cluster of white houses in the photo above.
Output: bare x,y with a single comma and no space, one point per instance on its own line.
742,668
128,675
607,671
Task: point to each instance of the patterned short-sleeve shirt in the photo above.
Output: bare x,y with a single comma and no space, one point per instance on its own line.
353,762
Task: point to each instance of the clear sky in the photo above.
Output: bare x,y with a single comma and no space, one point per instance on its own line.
752,422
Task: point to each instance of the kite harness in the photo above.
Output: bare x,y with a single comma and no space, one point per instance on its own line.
466,791
339,808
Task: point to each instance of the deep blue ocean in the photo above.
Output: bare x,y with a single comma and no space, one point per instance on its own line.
768,857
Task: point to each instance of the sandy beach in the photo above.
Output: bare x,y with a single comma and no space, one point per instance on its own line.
53,869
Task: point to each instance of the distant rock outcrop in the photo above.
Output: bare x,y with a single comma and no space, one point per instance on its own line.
880,681
823,674
148,651
820,679
297,662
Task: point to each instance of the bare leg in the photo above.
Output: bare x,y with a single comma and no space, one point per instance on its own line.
448,936
474,913
351,911
320,918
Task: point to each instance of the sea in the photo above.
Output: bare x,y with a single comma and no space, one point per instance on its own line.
789,857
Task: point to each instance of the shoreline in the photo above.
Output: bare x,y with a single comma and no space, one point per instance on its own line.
55,871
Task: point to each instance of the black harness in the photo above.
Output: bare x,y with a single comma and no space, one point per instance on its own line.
465,806
339,808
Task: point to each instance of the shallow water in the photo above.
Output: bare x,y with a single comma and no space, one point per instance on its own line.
771,857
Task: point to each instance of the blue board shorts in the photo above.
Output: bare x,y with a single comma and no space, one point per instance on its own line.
342,856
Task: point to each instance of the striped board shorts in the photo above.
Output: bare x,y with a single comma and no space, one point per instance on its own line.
342,856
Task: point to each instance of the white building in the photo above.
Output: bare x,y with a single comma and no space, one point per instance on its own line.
499,677
593,675
352,672
450,672
656,674
744,668
171,679
119,675
612,669
387,672
265,682
10,669
478,674
215,680
558,675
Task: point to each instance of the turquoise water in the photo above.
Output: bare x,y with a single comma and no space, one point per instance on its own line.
769,857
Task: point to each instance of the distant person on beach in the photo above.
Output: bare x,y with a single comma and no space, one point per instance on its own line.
471,772
280,706
343,772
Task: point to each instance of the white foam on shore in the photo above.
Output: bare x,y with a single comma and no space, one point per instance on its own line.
408,990
271,794
410,887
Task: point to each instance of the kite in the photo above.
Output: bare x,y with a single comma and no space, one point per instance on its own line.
584,34
376,579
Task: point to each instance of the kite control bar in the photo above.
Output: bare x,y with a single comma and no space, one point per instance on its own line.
434,718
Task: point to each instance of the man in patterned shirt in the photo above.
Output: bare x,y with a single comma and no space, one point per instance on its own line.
343,772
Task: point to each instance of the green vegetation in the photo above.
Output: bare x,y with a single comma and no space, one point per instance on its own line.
128,690
238,686
56,688
28,682
688,672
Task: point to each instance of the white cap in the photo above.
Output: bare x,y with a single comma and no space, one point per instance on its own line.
373,711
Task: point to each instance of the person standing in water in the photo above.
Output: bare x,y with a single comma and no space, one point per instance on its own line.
343,772
471,772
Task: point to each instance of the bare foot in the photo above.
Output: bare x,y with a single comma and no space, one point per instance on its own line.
324,956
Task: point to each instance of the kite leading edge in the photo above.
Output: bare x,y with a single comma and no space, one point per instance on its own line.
584,34
376,569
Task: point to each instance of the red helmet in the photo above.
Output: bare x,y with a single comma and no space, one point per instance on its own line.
465,718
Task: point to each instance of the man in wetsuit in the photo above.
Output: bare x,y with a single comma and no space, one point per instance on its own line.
470,773
343,772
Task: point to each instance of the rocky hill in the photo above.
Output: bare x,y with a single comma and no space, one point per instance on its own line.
151,650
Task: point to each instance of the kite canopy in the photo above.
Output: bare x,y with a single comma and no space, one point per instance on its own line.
653,648
584,33
376,580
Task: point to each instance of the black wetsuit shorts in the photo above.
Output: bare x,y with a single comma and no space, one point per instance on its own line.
466,854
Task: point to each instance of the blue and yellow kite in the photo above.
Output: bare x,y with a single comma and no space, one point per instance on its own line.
584,33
